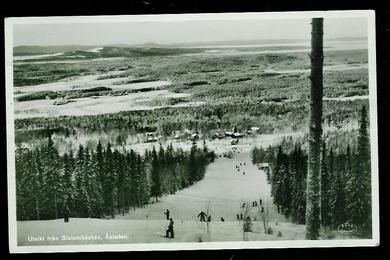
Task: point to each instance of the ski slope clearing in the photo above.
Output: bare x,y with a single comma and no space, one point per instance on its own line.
222,193
224,189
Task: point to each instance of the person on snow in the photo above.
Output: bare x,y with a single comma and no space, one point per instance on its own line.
202,216
166,213
170,233
222,219
66,214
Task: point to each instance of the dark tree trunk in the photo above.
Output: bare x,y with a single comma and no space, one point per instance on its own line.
313,199
37,207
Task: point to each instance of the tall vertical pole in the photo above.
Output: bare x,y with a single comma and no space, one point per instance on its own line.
313,191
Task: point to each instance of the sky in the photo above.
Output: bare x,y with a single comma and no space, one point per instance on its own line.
186,31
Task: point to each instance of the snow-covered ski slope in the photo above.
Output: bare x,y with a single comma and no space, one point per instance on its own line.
224,188
222,191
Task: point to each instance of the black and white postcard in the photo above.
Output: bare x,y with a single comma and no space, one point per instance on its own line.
192,131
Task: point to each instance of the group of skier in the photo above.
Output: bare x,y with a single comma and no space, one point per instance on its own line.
203,217
254,204
238,167
170,233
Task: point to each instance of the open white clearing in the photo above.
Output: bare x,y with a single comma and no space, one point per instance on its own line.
223,187
94,105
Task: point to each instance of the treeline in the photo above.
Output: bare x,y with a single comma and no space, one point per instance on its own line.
235,112
345,181
103,182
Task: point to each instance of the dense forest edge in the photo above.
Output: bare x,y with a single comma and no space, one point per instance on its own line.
345,181
101,183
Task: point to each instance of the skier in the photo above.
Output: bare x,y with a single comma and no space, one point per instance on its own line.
241,216
202,216
222,219
170,229
261,202
238,217
262,209
66,214
166,213
209,218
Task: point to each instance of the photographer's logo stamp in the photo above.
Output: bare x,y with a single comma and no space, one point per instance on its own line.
347,228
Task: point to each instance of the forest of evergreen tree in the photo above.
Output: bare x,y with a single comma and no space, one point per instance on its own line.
345,180
240,112
101,183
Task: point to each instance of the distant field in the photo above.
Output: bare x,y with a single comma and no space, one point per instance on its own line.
199,89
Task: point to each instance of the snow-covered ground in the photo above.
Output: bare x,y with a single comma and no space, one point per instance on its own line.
223,189
97,231
347,98
88,82
36,57
220,146
338,67
40,61
93,105
99,104
223,186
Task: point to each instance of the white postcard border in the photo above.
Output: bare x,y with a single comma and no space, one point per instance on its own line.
14,248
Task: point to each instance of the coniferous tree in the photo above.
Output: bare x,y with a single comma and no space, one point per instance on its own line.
38,183
359,186
338,203
68,182
133,178
94,184
156,181
193,164
109,182
81,194
99,158
52,170
94,187
120,181
278,178
144,190
326,186
127,181
297,187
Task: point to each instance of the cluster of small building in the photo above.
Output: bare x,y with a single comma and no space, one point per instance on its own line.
187,134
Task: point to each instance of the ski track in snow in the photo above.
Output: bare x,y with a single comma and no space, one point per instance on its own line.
223,186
